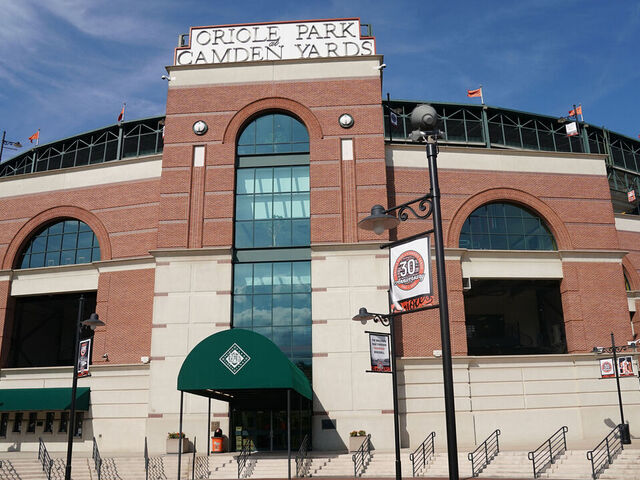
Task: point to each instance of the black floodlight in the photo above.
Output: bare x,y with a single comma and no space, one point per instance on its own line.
379,220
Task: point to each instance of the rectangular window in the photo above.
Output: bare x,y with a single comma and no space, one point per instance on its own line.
77,428
64,422
17,423
48,422
31,426
4,421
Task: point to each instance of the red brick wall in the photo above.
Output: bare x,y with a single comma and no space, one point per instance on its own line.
339,190
124,217
578,210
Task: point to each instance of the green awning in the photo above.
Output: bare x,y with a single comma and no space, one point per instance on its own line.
235,363
50,399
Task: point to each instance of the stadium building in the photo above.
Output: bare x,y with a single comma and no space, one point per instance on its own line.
238,211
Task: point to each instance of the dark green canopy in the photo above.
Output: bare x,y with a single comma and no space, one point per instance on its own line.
235,364
24,399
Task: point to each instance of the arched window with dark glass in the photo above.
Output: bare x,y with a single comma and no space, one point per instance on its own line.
65,242
505,226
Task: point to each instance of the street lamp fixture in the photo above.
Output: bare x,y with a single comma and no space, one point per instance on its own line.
424,120
92,322
625,434
8,144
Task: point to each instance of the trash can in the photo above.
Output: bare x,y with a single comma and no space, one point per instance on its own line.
216,444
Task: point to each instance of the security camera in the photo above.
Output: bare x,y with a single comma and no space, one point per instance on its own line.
634,343
381,67
168,79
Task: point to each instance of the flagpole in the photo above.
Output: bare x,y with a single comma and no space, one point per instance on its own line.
38,138
481,97
124,108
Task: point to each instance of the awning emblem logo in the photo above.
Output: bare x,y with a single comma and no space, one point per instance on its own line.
234,358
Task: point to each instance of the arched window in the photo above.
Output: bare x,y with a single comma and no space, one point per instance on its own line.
505,226
66,242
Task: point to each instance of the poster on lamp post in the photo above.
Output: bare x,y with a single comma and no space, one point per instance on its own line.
83,358
410,275
625,367
380,352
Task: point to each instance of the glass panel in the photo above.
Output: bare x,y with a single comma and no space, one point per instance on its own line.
95,254
39,244
244,234
54,242
37,260
301,232
282,338
243,278
299,132
83,255
281,129
262,278
264,180
300,179
244,181
71,226
282,179
264,130
300,205
55,229
301,312
244,207
68,257
261,310
282,233
302,340
262,236
85,240
263,207
242,310
248,136
52,259
69,241
282,277
282,309
282,205
301,276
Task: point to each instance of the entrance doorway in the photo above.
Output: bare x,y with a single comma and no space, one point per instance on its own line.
266,429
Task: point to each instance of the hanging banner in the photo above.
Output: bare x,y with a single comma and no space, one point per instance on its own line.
625,367
83,358
631,196
572,129
410,275
380,352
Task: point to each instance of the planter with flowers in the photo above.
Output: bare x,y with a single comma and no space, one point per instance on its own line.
356,438
174,439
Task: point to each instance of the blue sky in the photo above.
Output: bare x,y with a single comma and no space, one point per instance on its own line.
66,66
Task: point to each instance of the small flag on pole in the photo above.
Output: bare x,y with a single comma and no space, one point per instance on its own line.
35,137
476,93
121,116
576,111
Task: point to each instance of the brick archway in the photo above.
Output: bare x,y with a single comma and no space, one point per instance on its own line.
272,104
518,197
77,213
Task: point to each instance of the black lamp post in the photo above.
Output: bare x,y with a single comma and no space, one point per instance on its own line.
625,434
387,320
92,322
424,120
9,144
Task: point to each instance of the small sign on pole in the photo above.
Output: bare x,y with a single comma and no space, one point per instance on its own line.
625,367
410,275
631,196
380,352
83,358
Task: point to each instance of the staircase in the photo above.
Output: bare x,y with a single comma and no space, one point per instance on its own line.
572,465
439,466
509,465
626,466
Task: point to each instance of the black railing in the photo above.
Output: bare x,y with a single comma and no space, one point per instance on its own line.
146,460
45,459
362,457
422,455
484,453
97,460
242,459
302,464
551,448
603,454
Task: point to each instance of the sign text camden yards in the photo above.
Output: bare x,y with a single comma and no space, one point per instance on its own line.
276,41
410,275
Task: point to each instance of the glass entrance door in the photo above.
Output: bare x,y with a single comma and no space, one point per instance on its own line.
266,430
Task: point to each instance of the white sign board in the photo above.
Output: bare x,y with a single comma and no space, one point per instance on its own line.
275,41
410,275
380,352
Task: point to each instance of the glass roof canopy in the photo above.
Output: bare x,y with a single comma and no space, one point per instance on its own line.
464,125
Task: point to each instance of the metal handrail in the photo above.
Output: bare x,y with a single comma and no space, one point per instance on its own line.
603,454
301,457
423,454
45,459
551,448
484,453
362,456
193,461
97,460
146,460
245,453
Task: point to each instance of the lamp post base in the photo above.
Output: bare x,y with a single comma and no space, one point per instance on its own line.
625,434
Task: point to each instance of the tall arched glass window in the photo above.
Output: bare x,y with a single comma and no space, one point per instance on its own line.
272,267
66,242
505,226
